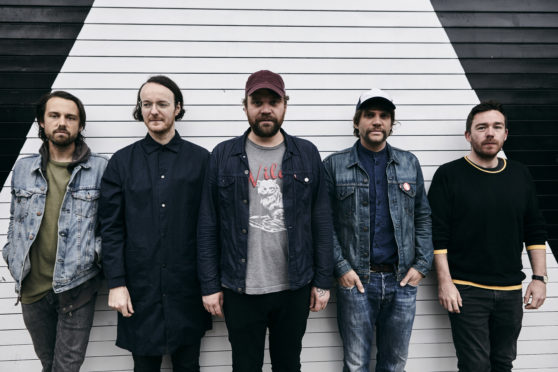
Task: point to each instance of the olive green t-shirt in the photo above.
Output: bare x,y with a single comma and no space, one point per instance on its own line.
43,250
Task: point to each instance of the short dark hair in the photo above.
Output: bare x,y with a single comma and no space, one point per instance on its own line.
167,83
40,109
483,107
360,111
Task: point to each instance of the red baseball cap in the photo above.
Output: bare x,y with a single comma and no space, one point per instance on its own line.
265,79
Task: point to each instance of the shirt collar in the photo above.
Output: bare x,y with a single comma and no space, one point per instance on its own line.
375,154
150,145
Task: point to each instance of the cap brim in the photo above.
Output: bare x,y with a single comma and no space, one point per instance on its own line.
380,100
266,85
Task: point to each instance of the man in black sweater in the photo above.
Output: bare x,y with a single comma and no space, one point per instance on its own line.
483,209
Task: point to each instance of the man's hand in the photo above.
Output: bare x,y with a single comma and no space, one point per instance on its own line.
413,278
536,293
449,296
318,299
119,300
351,279
213,303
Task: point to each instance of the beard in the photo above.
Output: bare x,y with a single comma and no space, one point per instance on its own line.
61,142
265,132
485,154
374,142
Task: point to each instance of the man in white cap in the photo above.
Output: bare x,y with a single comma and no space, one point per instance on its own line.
382,238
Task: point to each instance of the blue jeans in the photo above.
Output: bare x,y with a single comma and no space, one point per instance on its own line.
485,332
60,339
384,305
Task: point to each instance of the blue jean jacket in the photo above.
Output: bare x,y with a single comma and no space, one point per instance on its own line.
79,241
224,213
408,206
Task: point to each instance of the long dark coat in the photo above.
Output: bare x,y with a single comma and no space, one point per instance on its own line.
150,197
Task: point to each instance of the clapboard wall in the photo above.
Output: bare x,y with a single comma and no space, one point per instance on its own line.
326,51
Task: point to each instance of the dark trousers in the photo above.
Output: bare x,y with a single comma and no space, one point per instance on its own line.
60,339
184,359
249,316
485,332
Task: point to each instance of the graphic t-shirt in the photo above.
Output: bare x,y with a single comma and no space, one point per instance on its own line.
266,266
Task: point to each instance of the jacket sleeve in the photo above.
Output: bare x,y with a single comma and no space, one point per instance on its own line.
209,251
424,250
113,226
6,248
322,226
341,265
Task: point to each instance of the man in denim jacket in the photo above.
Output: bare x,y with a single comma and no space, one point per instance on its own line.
53,245
382,238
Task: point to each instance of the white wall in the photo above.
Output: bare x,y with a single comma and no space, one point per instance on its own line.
327,52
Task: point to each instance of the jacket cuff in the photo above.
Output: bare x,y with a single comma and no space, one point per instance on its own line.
341,268
423,269
119,281
210,288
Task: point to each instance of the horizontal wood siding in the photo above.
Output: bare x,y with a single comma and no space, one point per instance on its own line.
327,52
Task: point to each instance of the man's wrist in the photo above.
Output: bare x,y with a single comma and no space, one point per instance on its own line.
542,278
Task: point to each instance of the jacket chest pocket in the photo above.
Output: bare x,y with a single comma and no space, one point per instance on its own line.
408,192
226,189
22,200
345,200
303,187
84,202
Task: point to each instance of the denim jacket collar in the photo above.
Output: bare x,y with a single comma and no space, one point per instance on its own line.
80,156
354,160
239,145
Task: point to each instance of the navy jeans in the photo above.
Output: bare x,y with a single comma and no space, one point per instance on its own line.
485,332
60,339
249,316
383,305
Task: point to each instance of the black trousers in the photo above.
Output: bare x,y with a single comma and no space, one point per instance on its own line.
249,316
184,359
485,332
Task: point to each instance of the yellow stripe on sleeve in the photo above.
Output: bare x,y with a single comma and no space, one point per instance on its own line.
440,251
536,246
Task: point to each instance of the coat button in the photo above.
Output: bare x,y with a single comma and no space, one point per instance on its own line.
39,213
163,205
246,171
306,179
365,228
245,201
365,203
162,176
242,260
30,236
42,188
244,231
365,180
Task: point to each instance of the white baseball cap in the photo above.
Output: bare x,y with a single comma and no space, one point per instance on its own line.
375,94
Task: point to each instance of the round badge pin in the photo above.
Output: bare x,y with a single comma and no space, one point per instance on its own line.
406,186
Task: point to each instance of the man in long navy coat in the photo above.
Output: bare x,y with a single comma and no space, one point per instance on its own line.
149,208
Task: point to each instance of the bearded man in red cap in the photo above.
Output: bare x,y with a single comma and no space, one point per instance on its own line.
264,233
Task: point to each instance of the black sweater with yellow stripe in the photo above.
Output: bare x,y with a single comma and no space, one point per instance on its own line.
482,217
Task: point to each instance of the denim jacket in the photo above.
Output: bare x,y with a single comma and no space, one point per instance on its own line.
224,214
79,242
408,206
